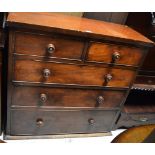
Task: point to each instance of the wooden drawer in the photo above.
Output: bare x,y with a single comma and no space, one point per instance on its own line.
48,72
141,117
39,45
145,80
41,122
118,54
135,119
66,97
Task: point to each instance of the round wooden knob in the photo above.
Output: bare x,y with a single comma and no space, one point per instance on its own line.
116,56
39,122
91,121
46,73
43,97
100,100
108,77
50,48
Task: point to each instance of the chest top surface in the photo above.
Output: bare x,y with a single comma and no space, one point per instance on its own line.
54,22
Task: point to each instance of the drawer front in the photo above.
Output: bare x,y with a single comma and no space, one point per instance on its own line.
41,122
45,72
48,46
142,117
110,53
135,119
66,97
145,80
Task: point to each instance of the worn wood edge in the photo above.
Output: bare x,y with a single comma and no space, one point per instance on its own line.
68,61
76,36
81,34
9,137
19,24
77,62
66,108
60,85
59,109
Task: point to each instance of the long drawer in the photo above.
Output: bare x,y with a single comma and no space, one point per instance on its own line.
48,72
118,54
41,122
66,97
48,46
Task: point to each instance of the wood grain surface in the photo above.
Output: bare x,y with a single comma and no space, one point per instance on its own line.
140,134
75,25
36,44
24,122
32,71
60,93
66,97
103,52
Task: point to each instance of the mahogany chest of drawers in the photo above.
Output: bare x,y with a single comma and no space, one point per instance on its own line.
68,74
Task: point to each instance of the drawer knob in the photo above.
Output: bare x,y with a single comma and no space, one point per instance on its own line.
46,73
116,56
50,48
100,100
108,77
43,97
91,121
39,122
143,119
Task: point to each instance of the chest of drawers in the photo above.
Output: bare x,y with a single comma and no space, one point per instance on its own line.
68,74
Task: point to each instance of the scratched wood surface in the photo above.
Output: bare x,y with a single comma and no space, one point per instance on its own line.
76,25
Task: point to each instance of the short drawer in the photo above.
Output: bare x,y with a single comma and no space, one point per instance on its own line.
44,122
118,54
50,72
66,97
48,46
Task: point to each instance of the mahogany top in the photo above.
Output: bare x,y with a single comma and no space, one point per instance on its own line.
56,22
